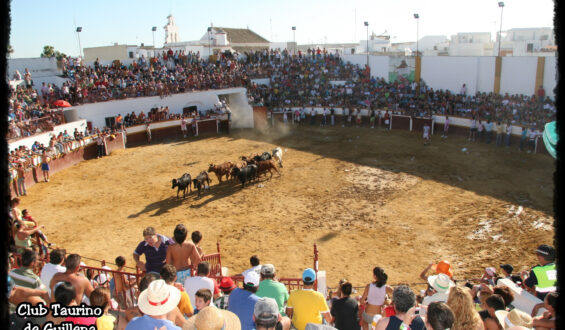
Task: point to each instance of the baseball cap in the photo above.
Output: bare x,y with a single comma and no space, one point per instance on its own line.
226,284
546,250
251,279
266,309
507,268
309,275
267,269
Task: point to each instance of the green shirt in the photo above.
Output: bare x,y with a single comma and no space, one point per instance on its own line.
276,290
26,277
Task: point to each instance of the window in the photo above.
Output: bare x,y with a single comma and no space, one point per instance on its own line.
130,54
530,48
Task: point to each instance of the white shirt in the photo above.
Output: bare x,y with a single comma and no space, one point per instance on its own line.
47,274
193,284
256,269
438,296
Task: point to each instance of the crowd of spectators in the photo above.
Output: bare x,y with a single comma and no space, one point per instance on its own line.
315,78
167,295
324,80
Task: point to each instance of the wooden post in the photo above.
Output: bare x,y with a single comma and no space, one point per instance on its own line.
316,266
219,258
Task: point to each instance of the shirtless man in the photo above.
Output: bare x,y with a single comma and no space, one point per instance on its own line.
183,254
45,166
81,284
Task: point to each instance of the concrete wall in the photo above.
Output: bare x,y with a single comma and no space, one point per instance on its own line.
97,112
518,75
378,64
485,72
550,76
45,137
38,67
106,53
450,73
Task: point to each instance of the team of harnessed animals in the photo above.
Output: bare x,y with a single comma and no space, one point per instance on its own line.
247,169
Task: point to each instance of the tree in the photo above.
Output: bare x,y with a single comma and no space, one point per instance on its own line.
10,50
49,51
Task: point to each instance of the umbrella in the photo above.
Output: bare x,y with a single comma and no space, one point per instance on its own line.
61,104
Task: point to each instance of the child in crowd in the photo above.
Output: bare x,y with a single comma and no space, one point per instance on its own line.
196,238
100,297
202,298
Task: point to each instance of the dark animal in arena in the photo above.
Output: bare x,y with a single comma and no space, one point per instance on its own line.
277,155
256,158
221,170
183,183
245,174
236,167
265,166
200,181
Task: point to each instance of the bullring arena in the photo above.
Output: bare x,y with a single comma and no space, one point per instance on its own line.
366,197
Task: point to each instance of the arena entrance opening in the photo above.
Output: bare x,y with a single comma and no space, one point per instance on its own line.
189,110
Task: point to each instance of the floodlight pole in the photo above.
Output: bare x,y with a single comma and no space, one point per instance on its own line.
294,39
79,30
367,25
501,5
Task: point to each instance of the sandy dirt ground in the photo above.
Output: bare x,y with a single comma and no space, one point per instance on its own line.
367,197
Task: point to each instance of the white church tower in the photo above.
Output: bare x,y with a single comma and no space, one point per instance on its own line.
171,31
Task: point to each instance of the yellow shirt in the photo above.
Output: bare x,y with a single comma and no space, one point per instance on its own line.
307,306
184,305
105,322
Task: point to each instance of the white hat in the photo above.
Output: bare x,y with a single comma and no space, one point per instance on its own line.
491,271
251,278
513,319
440,282
159,298
213,318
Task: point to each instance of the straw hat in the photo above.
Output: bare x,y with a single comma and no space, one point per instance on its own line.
212,318
514,318
443,267
441,283
159,298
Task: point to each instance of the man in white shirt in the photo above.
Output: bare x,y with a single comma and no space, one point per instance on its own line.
440,284
200,281
55,265
255,266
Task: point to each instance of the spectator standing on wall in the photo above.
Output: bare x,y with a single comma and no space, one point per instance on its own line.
21,180
445,127
183,126
488,130
464,90
473,130
100,145
499,133
148,132
523,137
508,133
45,165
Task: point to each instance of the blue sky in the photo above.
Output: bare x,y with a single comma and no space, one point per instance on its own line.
37,23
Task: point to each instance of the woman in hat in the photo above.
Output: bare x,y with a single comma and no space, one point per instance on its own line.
461,303
374,296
